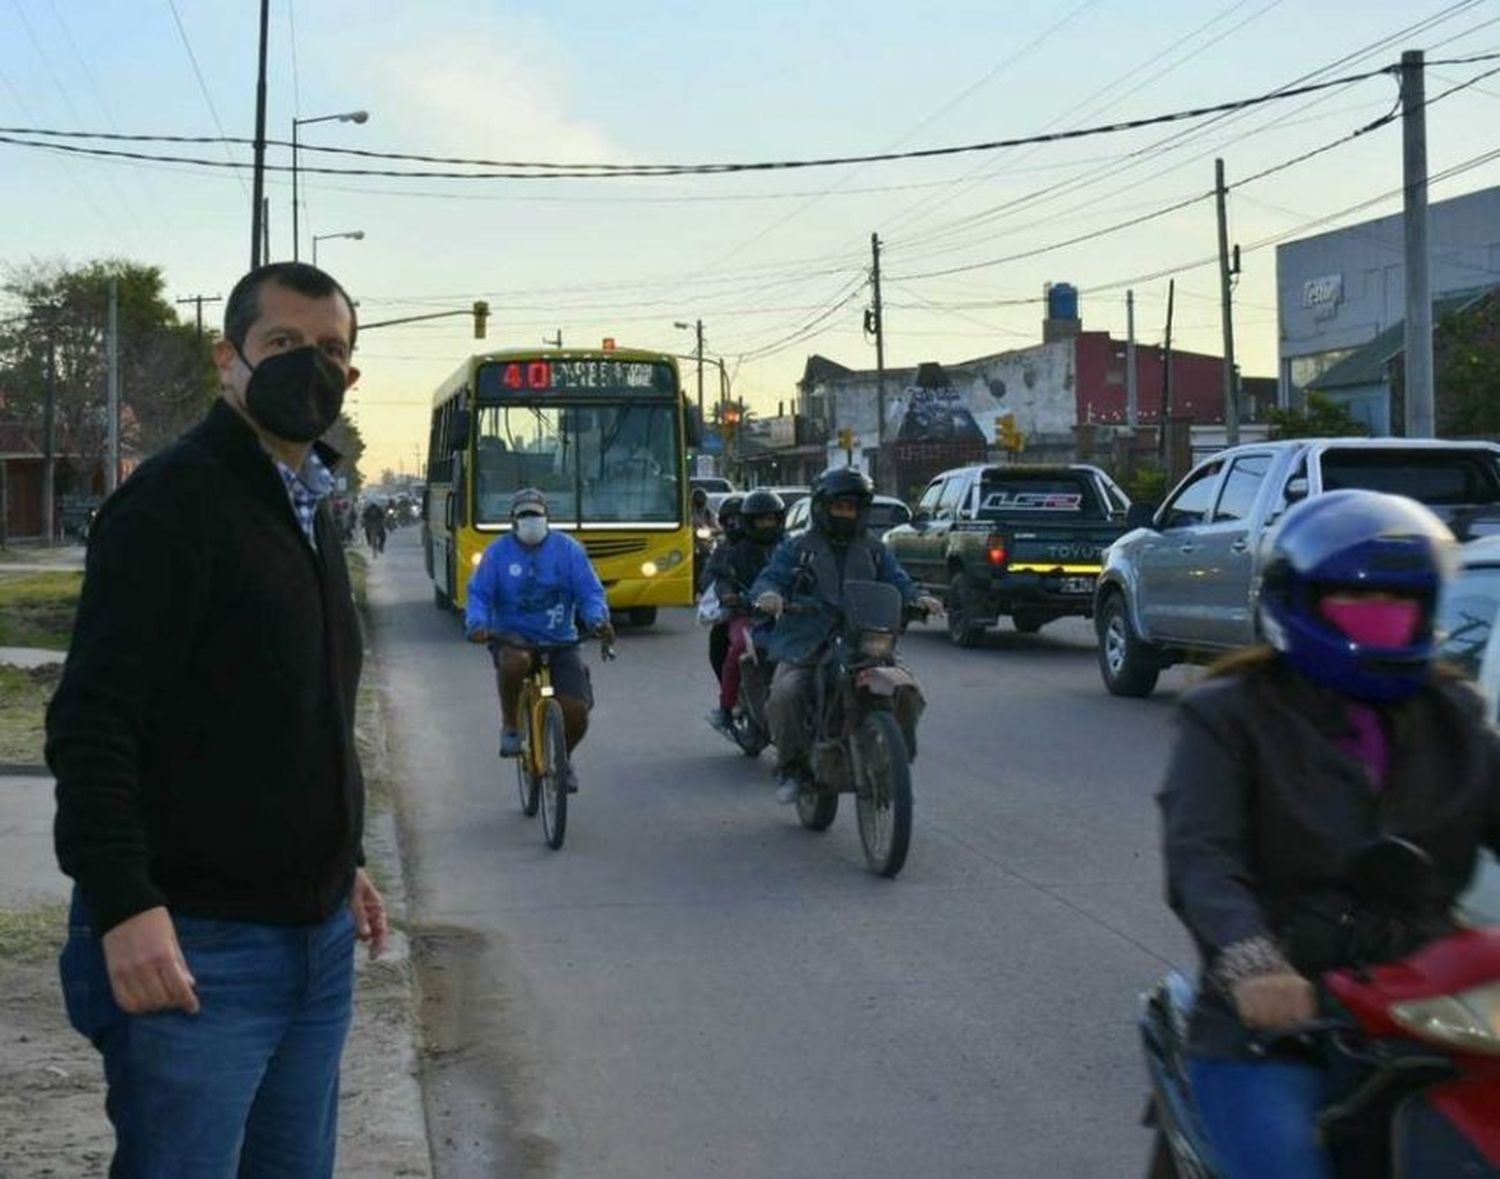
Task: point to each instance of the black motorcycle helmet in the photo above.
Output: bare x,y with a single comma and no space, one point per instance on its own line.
730,519
841,483
763,502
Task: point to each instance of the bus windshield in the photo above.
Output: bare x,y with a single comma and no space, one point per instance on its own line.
601,463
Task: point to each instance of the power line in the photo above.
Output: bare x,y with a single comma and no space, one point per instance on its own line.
550,171
207,97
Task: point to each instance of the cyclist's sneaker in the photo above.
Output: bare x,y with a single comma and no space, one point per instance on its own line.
788,786
721,719
510,743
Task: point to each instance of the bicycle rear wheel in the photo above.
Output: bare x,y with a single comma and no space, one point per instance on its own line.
554,776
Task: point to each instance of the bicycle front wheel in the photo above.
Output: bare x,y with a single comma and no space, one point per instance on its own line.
554,776
529,784
883,799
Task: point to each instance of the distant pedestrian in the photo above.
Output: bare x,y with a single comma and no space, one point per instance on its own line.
210,805
375,527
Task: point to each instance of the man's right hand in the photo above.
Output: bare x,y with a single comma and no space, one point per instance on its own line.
147,971
478,635
770,603
1273,1002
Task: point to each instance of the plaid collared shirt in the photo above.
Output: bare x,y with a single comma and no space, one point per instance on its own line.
306,488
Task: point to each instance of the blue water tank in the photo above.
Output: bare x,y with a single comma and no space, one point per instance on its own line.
1062,301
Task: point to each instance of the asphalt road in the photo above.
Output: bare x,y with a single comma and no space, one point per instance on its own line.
697,986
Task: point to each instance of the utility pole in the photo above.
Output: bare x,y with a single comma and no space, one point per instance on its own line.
698,327
1421,414
879,358
1166,375
258,195
1226,311
1132,391
265,229
198,301
554,341
112,449
49,439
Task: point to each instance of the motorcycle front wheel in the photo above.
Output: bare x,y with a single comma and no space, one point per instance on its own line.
882,798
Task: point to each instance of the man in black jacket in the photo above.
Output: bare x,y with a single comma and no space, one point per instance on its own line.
210,804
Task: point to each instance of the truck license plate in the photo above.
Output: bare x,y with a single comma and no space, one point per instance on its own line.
1078,585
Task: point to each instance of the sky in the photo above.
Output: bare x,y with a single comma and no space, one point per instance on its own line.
775,263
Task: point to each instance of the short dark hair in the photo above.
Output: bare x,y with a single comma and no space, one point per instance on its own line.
243,308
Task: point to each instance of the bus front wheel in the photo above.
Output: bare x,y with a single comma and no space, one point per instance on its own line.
642,616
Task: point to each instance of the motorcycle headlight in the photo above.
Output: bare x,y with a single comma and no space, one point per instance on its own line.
705,534
877,644
1468,1021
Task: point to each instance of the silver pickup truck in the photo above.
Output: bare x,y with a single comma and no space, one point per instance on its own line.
1181,584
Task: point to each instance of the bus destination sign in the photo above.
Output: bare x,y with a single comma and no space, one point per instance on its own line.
546,375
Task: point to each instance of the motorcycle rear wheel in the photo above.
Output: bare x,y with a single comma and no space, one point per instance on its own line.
883,801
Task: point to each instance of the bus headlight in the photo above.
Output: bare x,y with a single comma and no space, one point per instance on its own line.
475,559
668,560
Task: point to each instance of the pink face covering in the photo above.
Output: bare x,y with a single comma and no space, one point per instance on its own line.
1375,622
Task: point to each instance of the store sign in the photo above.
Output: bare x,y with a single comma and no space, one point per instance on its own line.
1323,294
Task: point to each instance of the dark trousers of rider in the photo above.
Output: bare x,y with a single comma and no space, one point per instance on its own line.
729,681
1261,1116
787,712
511,669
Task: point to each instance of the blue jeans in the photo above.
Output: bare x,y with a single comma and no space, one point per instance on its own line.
249,1086
1261,1116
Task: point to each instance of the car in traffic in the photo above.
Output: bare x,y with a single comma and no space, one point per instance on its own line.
886,512
711,485
1011,540
1181,584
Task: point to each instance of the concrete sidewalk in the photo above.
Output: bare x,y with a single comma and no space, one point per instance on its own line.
30,656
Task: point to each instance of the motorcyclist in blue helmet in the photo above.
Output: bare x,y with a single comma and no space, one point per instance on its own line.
1289,759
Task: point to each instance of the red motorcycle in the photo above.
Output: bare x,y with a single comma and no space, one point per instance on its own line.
1414,1042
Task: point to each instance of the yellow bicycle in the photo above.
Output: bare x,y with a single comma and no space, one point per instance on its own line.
542,765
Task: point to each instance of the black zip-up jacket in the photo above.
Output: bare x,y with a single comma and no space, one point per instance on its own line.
203,733
733,568
1263,812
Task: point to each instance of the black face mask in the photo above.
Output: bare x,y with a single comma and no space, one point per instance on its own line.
840,527
295,395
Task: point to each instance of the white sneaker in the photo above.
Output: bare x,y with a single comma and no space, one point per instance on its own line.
788,786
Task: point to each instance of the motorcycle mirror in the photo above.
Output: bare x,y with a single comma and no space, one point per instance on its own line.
1393,875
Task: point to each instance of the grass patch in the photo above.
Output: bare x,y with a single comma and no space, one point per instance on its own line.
37,609
23,706
34,934
359,574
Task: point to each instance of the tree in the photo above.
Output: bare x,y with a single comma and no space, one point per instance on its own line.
344,437
1320,417
166,373
1467,362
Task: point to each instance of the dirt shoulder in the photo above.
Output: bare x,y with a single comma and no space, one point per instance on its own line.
52,1120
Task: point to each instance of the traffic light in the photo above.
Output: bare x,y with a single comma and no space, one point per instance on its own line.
481,314
1007,437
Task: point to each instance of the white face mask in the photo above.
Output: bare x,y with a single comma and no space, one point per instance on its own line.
531,529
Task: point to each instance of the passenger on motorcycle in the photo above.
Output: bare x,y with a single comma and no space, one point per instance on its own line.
530,588
718,634
1289,759
731,572
810,571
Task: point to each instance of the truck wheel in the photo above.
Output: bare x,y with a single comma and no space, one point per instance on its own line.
1028,622
961,607
1129,666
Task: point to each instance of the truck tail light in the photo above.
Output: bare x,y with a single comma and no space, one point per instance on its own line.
998,553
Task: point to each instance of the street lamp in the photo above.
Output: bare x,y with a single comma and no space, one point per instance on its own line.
346,117
356,234
698,328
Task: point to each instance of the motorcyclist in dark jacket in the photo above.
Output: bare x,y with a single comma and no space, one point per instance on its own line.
1289,759
718,635
731,572
811,569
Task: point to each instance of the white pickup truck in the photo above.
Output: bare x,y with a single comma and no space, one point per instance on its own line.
1181,584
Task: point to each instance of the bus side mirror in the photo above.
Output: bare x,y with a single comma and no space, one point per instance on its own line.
460,429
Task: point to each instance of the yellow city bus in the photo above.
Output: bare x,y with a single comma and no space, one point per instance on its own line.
604,433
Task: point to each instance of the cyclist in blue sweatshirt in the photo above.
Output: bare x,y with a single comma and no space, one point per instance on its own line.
529,590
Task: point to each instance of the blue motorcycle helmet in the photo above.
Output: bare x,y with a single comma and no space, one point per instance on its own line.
1355,542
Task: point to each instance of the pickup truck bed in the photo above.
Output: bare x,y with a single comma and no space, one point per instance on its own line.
1011,541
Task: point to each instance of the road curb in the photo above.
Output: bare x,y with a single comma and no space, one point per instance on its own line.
23,769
